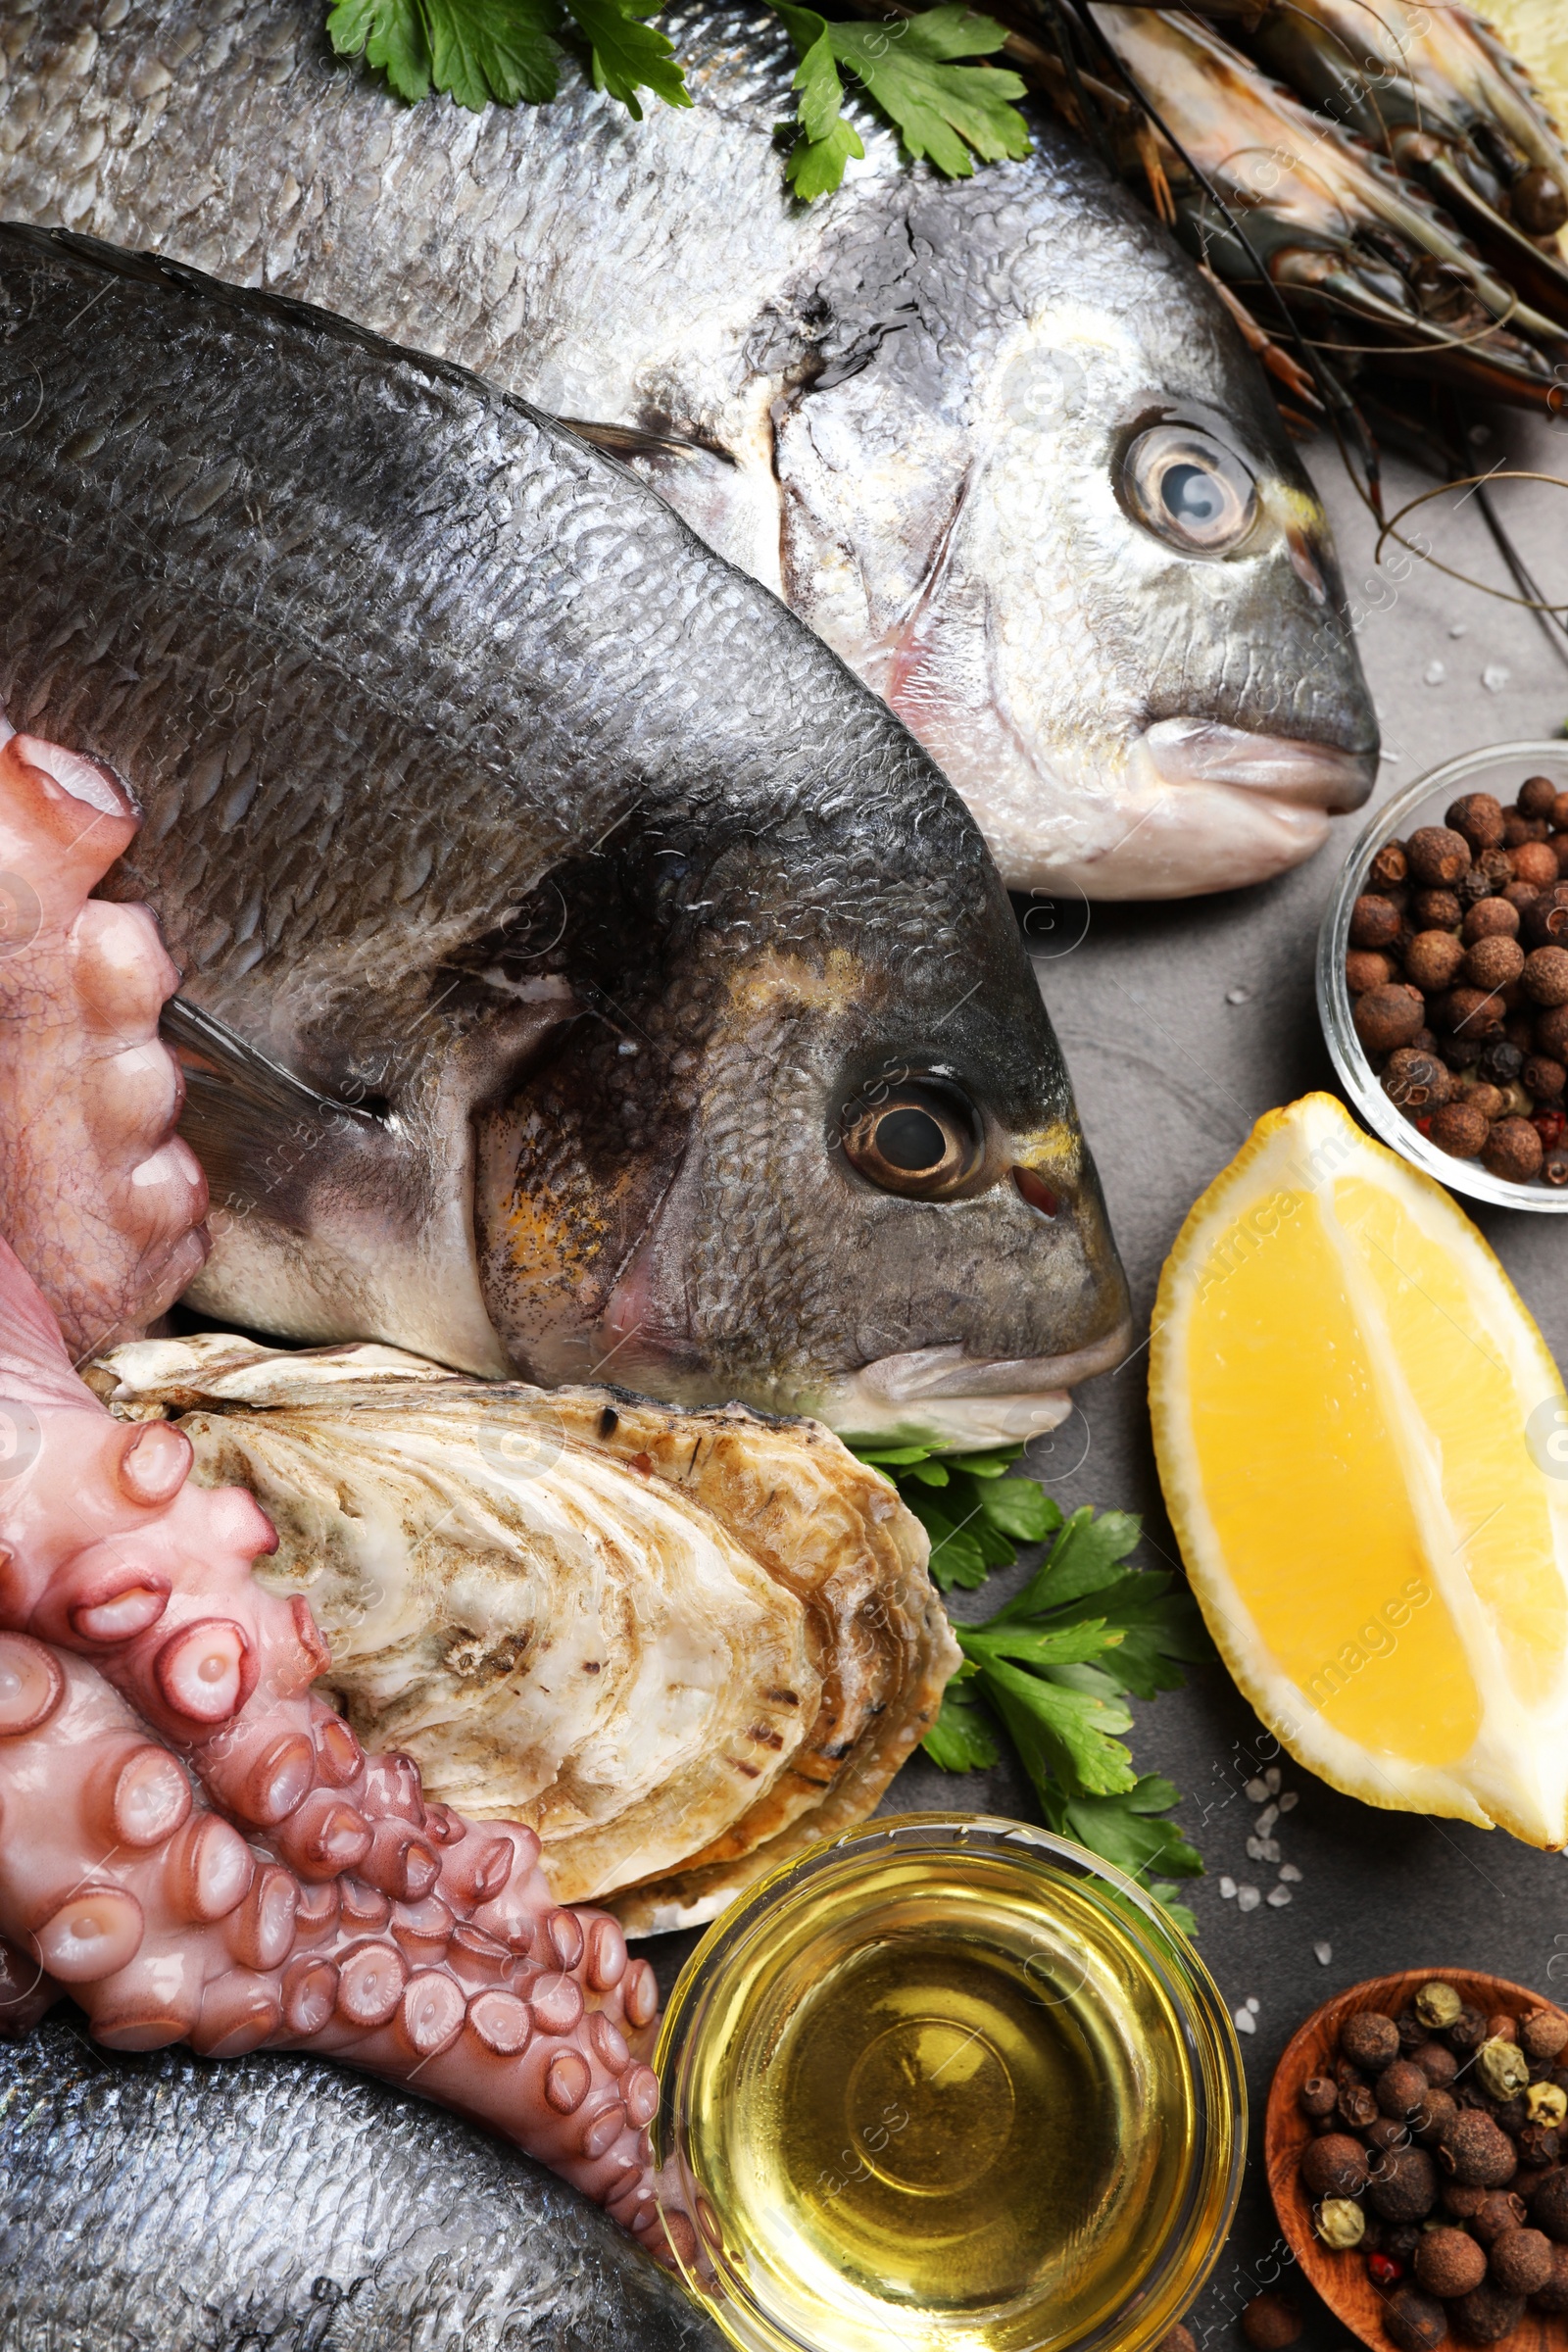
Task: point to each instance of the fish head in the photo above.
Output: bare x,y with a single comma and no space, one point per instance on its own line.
1036,490
839,1172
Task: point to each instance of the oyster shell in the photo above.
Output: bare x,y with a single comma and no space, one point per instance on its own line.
680,1644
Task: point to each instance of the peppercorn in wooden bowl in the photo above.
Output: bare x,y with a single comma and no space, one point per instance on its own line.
1443,975
1417,2195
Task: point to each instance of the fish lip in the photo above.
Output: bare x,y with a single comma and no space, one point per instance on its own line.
1284,768
943,1396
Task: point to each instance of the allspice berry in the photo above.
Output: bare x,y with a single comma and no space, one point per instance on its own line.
1375,923
1468,2030
1553,2295
1389,1016
1317,2095
1488,918
1478,2151
1535,862
1449,2263
1431,2117
1438,856
1415,2321
1549,2204
1405,2188
1537,796
1554,1169
1513,1151
1486,2313
1365,968
1270,2322
1384,2132
1498,2209
1495,962
1473,1012
1391,864
1359,2109
1335,2166
1401,2088
1551,1032
1437,2062
1520,2261
1465,2202
1539,2146
1417,1082
1543,973
1432,961
1369,2038
1460,1130
1543,923
1180,2340
1544,1078
1436,910
1477,815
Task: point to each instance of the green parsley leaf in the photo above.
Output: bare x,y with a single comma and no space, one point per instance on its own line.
628,55
939,110
826,141
501,49
961,1738
1056,1663
390,36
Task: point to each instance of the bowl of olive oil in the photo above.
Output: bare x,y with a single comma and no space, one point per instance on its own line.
950,2083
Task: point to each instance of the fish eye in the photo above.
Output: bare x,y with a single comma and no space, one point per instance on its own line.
920,1136
1190,489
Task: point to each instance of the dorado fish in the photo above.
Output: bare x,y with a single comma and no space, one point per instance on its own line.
168,2202
997,440
583,973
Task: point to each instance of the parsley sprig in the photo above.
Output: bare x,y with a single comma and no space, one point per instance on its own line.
1055,1666
505,50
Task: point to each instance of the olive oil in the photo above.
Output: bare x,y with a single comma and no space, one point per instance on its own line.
940,2085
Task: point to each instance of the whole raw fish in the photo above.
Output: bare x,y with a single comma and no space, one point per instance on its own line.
590,975
166,2204
996,440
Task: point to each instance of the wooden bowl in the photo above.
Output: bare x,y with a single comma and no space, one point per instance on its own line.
1342,2278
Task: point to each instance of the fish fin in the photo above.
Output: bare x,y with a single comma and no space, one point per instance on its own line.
252,1124
632,441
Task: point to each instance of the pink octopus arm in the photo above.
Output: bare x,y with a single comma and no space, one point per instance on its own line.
99,1197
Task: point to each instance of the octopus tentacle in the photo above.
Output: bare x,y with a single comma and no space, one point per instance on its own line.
102,1201
123,1886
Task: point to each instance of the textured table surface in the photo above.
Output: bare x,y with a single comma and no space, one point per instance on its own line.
1170,1076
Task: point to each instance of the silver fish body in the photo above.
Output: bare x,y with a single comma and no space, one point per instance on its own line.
974,432
575,953
167,2204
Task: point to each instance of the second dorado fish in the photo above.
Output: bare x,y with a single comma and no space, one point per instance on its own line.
995,439
586,975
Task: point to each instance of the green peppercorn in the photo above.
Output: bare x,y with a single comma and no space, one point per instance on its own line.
1339,2223
1502,2067
1547,2105
1438,2005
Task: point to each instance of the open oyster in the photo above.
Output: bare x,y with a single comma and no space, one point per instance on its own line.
679,1645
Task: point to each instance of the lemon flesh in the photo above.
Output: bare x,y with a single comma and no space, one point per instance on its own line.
1358,1429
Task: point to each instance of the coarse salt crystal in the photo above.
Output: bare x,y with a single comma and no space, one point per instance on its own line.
1253,2003
1289,1800
1495,677
1271,1779
1238,995
1325,1953
1278,1897
1245,2022
1433,673
1257,1790
1254,1850
1288,1869
1227,1887
1266,1818
1458,629
1247,1898
1271,1850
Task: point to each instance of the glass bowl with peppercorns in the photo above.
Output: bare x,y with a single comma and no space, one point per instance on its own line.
1442,975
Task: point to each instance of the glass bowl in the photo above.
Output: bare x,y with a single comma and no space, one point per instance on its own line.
950,2081
1502,770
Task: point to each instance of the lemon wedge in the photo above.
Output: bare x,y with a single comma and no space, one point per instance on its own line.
1364,1444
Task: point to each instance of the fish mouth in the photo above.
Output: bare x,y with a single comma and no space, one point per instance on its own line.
943,1397
1221,808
